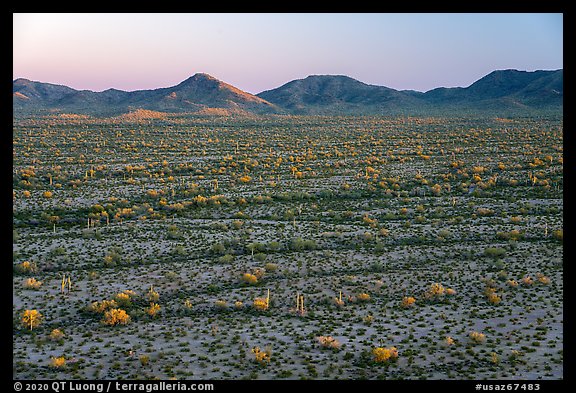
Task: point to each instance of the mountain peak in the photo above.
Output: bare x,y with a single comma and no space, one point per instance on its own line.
21,81
199,77
199,93
328,76
203,75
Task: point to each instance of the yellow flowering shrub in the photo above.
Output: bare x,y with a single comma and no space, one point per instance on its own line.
558,234
494,358
542,279
56,335
144,360
221,304
123,299
491,295
260,304
435,291
477,337
32,283
153,309
328,342
116,316
527,281
493,298
26,267
407,301
512,283
384,355
57,362
363,297
260,356
248,278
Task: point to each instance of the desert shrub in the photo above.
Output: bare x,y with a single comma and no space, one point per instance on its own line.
249,279
228,258
153,310
558,234
26,267
260,257
527,281
123,299
495,252
32,283
481,211
328,342
221,304
385,355
384,232
271,267
218,248
436,291
477,338
274,246
407,301
363,297
144,360
116,316
512,235
542,279
260,304
300,244
57,362
444,234
262,357
237,224
101,307
152,295
56,335
492,296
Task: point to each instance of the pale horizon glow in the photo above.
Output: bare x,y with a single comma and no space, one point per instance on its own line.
258,52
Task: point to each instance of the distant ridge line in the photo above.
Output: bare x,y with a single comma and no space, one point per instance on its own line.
499,91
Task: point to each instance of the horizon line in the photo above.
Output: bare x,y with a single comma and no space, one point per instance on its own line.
255,94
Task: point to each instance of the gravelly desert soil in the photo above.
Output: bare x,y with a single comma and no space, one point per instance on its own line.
374,210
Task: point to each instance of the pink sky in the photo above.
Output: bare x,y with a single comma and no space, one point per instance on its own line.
257,52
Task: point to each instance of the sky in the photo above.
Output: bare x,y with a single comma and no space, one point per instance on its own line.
257,52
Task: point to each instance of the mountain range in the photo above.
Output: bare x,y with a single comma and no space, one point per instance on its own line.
500,91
